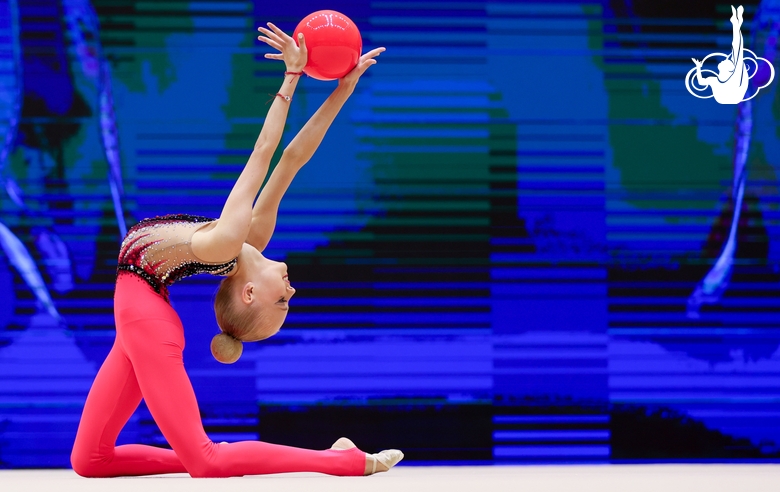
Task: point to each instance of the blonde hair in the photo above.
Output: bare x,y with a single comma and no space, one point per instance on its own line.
236,322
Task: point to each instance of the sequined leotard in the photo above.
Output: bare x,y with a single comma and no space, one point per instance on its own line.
147,362
159,251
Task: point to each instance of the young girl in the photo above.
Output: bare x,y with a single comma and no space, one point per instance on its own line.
251,304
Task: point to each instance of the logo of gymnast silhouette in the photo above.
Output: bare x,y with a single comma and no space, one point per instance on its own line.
731,83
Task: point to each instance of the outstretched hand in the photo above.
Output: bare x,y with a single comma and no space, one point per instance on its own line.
294,56
351,79
696,62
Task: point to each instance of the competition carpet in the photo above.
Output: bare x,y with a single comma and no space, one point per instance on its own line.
606,478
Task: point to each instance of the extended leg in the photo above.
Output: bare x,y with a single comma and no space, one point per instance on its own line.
113,398
155,349
736,39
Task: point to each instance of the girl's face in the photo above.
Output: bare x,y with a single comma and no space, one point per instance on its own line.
266,282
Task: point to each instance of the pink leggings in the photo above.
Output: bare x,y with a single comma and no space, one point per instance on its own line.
146,362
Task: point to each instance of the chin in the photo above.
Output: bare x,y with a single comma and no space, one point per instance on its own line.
268,335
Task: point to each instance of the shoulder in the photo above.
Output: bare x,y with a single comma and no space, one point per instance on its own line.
208,246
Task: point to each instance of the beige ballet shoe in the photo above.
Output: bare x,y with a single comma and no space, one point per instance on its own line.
343,443
388,458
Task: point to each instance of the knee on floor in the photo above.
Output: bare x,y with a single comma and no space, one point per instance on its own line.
83,466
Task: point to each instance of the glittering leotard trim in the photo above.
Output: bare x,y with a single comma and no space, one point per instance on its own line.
159,275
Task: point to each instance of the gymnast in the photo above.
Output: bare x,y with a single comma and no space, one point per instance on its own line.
251,304
731,84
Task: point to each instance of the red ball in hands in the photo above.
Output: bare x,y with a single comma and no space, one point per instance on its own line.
333,42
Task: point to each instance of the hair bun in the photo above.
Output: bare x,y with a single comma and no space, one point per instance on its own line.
225,348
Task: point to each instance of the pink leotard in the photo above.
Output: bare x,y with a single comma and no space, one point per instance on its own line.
146,362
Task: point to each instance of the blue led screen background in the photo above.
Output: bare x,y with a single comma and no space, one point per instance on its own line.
499,248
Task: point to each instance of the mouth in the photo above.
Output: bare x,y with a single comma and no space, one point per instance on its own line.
286,278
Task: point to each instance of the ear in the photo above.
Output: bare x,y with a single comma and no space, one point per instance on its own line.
248,293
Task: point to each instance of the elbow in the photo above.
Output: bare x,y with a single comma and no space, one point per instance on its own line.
294,157
264,151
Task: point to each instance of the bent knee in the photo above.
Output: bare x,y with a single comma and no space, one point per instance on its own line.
86,467
81,465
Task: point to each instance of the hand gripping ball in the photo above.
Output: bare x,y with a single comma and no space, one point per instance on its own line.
334,44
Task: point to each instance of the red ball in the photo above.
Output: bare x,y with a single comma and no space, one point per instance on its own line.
333,42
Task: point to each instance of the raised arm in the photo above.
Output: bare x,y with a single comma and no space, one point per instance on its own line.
298,153
225,240
701,80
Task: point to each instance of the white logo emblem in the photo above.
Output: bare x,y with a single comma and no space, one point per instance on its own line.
729,84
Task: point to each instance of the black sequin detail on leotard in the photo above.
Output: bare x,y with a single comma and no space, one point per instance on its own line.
158,250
